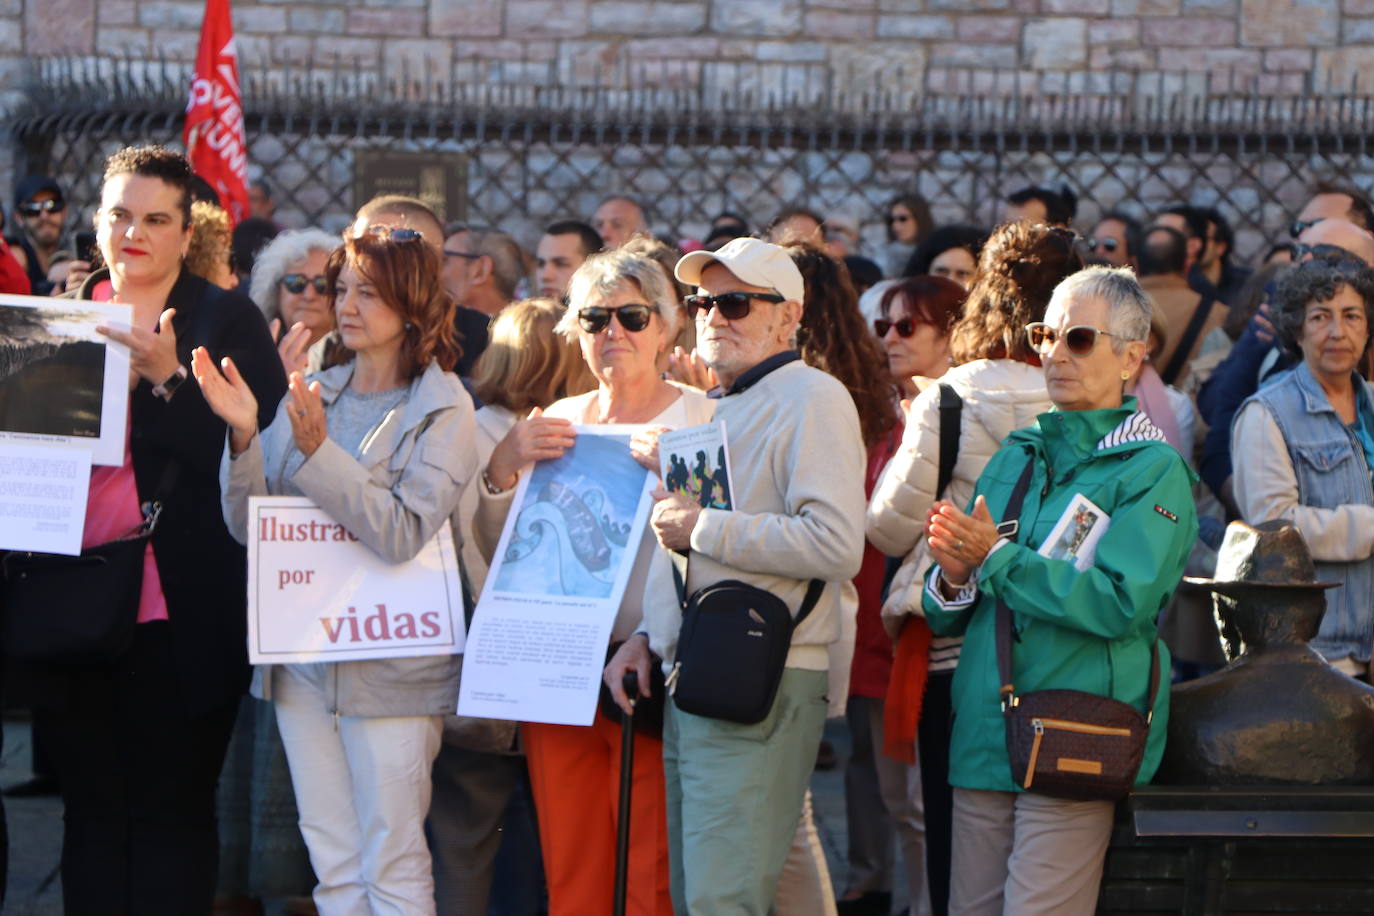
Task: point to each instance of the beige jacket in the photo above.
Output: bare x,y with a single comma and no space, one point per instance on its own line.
1000,395
393,498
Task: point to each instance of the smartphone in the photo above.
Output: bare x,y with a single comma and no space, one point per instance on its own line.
85,246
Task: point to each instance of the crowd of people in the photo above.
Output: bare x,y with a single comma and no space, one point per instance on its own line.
1027,427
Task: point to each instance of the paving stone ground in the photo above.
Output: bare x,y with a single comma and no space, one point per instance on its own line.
35,825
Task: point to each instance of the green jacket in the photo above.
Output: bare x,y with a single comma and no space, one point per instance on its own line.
1091,630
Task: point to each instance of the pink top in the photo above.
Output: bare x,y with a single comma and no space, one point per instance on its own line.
112,511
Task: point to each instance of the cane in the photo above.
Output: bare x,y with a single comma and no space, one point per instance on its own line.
627,759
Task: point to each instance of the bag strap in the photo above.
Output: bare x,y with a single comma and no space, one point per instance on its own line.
1185,343
951,410
1003,627
681,560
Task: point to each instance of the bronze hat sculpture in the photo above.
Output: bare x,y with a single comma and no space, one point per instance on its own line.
1272,554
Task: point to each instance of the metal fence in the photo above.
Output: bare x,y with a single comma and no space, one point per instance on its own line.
689,139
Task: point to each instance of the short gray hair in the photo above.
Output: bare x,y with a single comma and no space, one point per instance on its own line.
1128,306
601,273
1312,281
264,286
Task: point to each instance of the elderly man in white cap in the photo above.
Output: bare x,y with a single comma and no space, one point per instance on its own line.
797,462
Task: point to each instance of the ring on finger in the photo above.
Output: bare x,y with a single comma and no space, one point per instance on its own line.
958,545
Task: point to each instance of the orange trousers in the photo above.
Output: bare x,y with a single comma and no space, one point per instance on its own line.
575,774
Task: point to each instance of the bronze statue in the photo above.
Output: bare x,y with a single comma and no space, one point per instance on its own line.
1278,713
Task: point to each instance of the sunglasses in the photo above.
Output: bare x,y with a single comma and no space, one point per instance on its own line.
899,218
905,326
1332,254
1300,226
1107,245
733,306
33,208
392,233
296,283
1080,339
465,255
596,318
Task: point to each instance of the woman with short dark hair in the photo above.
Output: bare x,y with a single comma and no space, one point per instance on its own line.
1308,442
138,742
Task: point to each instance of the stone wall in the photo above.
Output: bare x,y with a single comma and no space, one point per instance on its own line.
1269,45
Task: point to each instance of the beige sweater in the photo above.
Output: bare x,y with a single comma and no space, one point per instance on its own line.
797,481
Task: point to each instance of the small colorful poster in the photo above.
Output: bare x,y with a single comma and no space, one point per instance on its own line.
1077,532
696,463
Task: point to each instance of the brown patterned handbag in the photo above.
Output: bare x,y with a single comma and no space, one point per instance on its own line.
1068,743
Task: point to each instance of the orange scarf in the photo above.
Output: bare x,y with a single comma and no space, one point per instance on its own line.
906,690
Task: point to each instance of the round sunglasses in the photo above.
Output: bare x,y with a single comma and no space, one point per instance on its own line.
905,326
1080,339
733,306
296,283
596,318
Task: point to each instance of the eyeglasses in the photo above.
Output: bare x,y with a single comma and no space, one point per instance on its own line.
1108,245
1302,225
1080,339
465,255
35,207
733,306
905,326
296,283
899,218
596,318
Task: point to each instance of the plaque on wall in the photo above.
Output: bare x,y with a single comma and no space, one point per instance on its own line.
438,179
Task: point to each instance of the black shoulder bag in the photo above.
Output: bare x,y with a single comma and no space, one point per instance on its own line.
1068,743
83,609
732,647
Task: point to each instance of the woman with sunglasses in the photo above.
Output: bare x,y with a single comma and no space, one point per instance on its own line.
138,742
1100,543
624,315
1308,444
383,442
908,224
289,285
918,313
998,379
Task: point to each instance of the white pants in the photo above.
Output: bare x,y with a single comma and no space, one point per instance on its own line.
363,787
1024,854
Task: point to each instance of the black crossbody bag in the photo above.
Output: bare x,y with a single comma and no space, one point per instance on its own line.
732,647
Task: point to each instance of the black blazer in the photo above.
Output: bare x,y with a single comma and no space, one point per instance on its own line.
203,570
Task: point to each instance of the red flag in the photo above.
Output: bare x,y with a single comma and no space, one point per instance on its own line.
214,135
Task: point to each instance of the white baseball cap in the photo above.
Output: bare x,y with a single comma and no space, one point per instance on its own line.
756,262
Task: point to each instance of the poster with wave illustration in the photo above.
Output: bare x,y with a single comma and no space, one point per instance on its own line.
61,381
538,639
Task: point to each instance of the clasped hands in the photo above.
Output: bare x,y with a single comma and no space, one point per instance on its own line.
960,541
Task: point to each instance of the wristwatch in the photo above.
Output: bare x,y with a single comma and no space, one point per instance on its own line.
170,386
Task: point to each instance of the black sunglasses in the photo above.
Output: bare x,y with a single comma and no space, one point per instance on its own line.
899,218
1331,254
905,326
733,306
1080,339
596,318
465,255
1300,226
51,205
296,283
1108,245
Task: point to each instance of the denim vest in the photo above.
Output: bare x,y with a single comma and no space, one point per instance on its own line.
1330,467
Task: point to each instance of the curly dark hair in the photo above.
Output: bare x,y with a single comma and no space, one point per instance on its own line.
156,162
406,273
1316,281
1019,268
832,337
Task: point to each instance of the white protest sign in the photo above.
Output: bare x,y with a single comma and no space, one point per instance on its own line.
43,492
317,594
